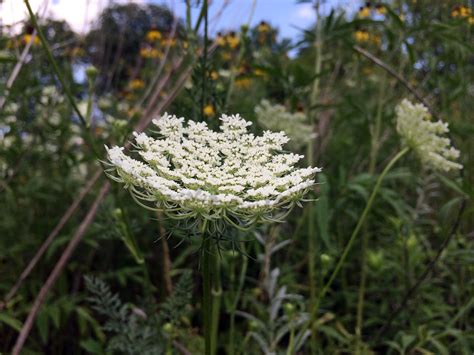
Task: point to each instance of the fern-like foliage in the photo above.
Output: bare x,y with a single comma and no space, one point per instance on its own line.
132,331
175,308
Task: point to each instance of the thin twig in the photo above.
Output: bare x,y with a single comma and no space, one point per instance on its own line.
25,330
401,79
62,222
429,268
16,69
49,54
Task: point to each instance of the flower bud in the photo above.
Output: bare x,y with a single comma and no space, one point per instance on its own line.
325,260
91,72
167,328
289,308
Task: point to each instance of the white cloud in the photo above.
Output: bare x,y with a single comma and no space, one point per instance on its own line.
305,12
78,13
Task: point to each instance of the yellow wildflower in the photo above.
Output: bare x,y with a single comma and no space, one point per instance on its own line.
214,75
380,9
464,11
376,39
153,36
168,42
259,72
263,27
243,83
137,84
208,110
226,56
364,12
471,20
147,52
232,40
27,38
361,35
220,40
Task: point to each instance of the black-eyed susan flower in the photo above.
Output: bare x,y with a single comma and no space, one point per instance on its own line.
214,75
380,9
361,35
168,42
136,84
148,52
28,37
153,36
263,27
243,83
226,56
259,72
460,11
376,39
364,11
220,40
208,110
232,40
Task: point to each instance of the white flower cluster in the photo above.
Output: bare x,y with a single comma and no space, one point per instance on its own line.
192,171
277,118
426,137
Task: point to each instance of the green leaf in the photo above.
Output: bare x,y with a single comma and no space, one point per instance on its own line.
7,57
12,322
42,322
92,346
322,210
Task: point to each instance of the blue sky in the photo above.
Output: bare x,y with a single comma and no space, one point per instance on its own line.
287,15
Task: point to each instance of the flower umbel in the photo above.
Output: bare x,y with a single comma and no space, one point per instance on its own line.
425,137
277,118
190,171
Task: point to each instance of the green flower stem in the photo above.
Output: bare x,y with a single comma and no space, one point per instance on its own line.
243,272
361,221
291,343
216,291
207,296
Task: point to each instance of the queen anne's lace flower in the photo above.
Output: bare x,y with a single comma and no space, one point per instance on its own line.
277,118
425,137
192,171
